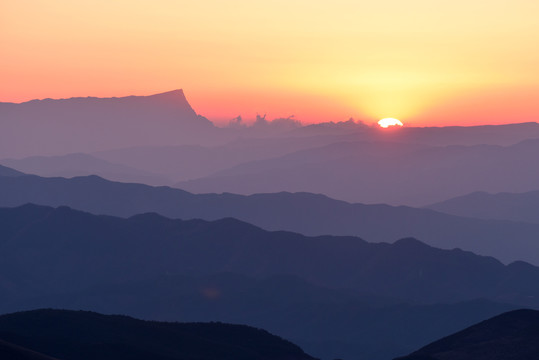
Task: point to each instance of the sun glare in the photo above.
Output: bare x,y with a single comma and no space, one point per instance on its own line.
387,122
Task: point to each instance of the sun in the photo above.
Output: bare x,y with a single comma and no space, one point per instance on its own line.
387,122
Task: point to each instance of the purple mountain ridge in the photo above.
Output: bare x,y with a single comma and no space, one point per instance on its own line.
56,127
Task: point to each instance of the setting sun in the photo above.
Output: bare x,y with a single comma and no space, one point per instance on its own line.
385,123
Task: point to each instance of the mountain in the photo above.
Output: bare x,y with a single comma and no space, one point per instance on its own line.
512,335
384,172
5,171
56,127
10,351
335,296
305,213
82,165
80,335
502,206
326,323
47,250
187,162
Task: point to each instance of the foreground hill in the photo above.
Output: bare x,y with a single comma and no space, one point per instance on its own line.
305,213
47,250
384,172
502,206
10,351
327,323
510,336
77,335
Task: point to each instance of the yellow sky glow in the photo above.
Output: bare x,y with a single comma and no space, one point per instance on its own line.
424,62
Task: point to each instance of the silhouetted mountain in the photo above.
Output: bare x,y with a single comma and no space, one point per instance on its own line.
510,336
326,323
392,173
82,165
47,251
5,171
78,335
306,213
502,206
10,351
56,127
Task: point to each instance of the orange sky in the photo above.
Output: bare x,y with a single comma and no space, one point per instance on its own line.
426,62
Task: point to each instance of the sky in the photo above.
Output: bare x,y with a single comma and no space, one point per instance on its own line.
425,62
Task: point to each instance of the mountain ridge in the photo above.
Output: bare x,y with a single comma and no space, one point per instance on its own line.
75,240
306,213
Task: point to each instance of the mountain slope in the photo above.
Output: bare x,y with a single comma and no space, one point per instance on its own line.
309,214
5,171
78,335
502,206
510,336
49,250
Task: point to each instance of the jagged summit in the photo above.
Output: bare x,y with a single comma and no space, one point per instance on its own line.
173,97
172,94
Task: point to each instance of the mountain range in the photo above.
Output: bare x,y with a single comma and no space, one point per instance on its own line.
159,139
296,229
378,172
50,250
79,164
300,287
305,213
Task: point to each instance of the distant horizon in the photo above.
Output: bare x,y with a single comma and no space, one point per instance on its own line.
249,120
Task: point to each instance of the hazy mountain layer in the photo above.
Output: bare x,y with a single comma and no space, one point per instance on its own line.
193,161
47,250
302,212
503,206
392,173
510,336
78,335
82,165
503,135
